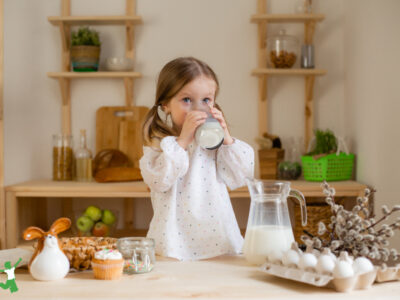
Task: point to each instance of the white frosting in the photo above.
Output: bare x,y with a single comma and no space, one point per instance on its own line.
108,254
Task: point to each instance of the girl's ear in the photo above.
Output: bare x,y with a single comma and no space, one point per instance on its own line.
60,225
165,108
33,233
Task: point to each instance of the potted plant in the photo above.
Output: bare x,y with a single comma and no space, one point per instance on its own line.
85,50
325,161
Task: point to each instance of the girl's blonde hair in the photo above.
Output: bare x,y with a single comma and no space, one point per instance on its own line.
173,77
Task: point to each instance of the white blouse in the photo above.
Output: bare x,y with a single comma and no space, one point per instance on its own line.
193,215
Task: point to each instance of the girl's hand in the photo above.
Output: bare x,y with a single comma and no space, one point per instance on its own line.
217,114
193,120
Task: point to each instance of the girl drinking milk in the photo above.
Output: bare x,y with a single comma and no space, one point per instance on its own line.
193,216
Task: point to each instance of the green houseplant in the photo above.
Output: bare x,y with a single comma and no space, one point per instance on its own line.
325,161
85,50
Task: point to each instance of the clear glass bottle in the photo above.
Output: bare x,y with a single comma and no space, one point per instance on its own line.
83,160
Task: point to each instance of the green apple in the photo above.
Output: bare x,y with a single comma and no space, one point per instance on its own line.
84,223
100,229
108,217
93,212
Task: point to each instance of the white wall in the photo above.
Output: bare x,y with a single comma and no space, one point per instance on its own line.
220,33
372,43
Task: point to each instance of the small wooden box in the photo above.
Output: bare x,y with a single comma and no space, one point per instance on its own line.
269,160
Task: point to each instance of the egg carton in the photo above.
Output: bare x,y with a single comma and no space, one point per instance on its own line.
356,282
389,274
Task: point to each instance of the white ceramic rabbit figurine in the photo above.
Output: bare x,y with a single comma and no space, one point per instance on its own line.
49,261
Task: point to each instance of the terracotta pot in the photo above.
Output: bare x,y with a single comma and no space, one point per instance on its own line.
85,58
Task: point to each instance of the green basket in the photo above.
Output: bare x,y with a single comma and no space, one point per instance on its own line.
331,167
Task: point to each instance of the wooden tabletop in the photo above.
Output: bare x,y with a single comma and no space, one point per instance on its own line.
225,277
50,188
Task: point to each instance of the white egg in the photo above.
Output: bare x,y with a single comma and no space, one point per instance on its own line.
362,265
345,256
343,269
290,258
307,261
325,264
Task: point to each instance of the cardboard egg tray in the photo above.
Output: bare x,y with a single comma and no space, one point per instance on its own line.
362,281
390,274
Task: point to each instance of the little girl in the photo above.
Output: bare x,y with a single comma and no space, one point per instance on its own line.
193,216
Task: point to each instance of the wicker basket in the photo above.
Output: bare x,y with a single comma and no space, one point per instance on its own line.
316,212
85,58
80,250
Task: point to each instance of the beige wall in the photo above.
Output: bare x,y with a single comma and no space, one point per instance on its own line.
372,95
218,32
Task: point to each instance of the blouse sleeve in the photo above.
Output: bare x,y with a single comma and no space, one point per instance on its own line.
161,169
235,162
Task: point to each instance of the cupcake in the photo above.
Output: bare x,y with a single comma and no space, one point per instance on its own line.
107,264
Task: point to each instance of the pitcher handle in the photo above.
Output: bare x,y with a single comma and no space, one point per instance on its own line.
300,197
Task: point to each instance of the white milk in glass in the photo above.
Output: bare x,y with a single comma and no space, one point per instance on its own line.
266,240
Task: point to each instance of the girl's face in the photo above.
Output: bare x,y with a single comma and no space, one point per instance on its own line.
197,93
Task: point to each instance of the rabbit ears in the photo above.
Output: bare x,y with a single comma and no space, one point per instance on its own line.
58,226
33,233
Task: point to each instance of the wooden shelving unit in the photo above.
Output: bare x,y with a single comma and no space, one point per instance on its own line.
262,19
95,20
26,202
65,22
73,75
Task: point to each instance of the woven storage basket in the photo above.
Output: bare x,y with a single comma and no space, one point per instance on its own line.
316,212
81,250
85,58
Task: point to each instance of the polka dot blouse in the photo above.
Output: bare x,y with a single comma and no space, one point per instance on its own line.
193,216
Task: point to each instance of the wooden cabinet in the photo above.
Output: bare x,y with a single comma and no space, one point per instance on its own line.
25,202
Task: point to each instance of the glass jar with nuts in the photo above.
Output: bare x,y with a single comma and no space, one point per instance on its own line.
282,50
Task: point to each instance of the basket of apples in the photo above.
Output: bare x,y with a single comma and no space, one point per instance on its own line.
96,222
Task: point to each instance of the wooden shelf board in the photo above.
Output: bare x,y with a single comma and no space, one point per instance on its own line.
49,188
95,20
287,18
293,72
72,75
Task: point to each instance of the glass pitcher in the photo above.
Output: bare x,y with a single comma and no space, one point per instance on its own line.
269,231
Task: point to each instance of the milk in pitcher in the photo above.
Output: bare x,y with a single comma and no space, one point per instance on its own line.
266,241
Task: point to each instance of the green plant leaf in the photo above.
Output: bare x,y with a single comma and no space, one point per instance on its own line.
85,37
325,142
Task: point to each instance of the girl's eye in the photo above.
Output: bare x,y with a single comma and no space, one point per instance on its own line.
186,100
207,100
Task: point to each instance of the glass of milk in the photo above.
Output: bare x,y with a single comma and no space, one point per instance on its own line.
210,134
269,232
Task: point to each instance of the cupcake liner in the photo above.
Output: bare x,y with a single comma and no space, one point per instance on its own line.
108,269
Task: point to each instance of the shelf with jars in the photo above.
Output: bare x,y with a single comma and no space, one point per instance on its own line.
276,56
65,22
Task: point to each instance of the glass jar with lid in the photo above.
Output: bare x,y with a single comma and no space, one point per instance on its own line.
282,50
138,253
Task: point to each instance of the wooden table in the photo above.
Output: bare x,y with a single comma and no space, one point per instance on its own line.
225,277
41,189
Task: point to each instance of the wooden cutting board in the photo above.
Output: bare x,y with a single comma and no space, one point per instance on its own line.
120,127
